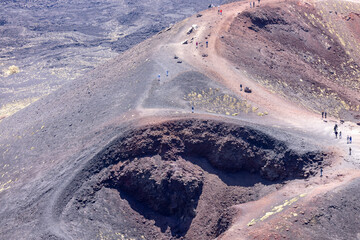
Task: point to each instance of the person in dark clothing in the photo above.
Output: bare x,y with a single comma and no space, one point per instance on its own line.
207,44
336,134
349,150
192,109
240,87
322,114
325,114
340,135
350,140
321,172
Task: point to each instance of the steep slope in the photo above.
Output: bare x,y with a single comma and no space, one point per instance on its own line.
54,42
291,49
118,153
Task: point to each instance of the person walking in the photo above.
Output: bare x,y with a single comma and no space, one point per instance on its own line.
325,114
253,4
167,73
240,87
322,114
349,150
336,134
321,172
350,140
207,44
250,4
192,109
347,139
159,77
258,2
340,135
197,44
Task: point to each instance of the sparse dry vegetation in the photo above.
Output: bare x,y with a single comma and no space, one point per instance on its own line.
11,70
214,101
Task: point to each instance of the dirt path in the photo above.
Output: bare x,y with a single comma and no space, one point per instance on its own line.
291,115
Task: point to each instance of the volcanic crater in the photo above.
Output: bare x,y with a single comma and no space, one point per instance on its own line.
185,175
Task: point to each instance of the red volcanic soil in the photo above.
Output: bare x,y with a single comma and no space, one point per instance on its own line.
121,153
294,56
353,22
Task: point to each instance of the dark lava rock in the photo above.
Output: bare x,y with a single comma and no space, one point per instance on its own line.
227,147
261,18
247,90
168,187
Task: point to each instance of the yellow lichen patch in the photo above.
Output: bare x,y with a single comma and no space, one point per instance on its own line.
214,101
11,70
11,108
276,209
5,186
114,236
252,222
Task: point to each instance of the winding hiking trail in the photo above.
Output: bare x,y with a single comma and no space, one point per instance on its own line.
344,169
56,149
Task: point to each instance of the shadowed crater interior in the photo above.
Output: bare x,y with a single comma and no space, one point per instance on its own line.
169,173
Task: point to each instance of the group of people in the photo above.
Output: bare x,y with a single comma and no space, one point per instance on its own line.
323,114
349,141
348,138
167,74
198,43
252,4
220,11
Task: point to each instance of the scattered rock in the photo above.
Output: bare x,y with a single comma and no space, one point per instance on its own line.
179,61
189,31
192,29
168,187
247,90
199,15
185,42
205,55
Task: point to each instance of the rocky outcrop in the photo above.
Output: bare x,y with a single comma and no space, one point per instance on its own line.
227,147
167,187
